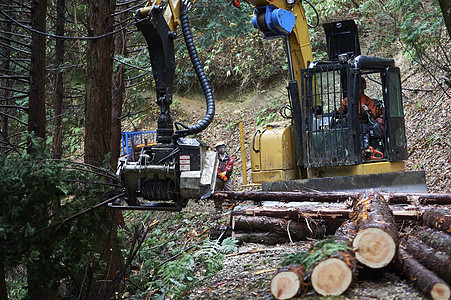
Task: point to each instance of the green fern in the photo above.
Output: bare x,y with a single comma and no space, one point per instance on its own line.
319,251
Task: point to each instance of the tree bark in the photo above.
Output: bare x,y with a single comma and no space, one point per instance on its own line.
333,275
290,229
3,290
288,282
438,240
425,280
98,82
118,91
98,125
377,236
438,218
266,238
57,141
36,107
392,198
6,52
331,219
39,287
445,6
436,261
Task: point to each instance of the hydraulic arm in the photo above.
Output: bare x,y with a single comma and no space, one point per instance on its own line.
176,168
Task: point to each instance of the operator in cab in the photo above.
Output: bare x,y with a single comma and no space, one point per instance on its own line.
224,172
369,119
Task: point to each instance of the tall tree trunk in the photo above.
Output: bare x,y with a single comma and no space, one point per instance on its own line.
118,99
57,142
6,50
445,6
98,123
118,92
98,82
36,108
3,290
39,287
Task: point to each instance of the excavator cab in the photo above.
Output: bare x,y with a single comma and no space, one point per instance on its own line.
352,107
336,131
347,127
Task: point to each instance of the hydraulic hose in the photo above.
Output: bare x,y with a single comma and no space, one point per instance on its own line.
206,120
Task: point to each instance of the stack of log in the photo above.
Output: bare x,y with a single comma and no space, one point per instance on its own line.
424,256
372,236
368,230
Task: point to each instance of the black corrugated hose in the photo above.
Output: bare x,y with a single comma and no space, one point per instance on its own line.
193,129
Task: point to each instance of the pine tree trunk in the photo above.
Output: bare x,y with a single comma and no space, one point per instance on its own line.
425,280
438,218
288,282
436,261
377,236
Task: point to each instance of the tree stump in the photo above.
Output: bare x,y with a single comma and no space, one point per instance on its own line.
333,275
438,218
436,261
377,236
425,280
288,282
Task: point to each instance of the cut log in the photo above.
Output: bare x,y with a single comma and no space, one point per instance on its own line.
297,213
266,238
299,196
438,218
288,282
377,236
292,229
436,261
333,275
425,280
436,239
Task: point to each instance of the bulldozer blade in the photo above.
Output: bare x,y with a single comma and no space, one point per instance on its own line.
397,182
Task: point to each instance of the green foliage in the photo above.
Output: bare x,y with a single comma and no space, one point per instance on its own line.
271,112
175,266
319,251
36,196
232,52
178,276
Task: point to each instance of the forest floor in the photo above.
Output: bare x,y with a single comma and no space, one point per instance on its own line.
247,273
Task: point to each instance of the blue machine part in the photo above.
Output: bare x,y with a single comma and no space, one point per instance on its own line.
273,22
131,139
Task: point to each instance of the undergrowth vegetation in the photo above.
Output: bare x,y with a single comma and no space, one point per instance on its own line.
176,254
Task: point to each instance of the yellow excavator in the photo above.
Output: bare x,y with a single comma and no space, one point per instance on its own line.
329,142
332,141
